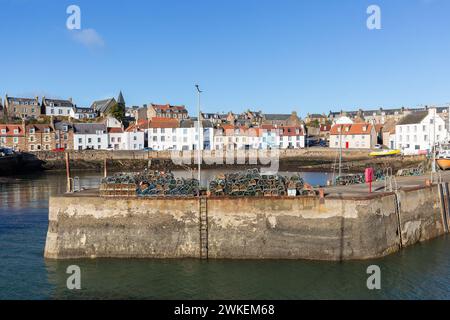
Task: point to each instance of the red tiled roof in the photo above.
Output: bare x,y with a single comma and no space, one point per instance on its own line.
164,123
115,130
10,130
166,107
268,127
290,131
347,129
39,127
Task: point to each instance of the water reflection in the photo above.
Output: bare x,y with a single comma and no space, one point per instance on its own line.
416,273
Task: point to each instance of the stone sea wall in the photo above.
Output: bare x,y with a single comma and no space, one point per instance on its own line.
242,228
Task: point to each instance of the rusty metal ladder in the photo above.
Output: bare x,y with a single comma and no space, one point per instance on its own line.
203,210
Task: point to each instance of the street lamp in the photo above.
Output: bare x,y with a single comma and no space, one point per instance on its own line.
198,134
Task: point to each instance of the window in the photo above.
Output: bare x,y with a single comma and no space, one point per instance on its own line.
113,139
424,128
89,140
4,131
135,138
16,140
425,138
80,140
99,140
119,139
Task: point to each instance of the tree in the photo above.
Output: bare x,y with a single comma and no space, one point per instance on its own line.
118,111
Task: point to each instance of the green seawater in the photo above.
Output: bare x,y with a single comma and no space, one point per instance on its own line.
418,272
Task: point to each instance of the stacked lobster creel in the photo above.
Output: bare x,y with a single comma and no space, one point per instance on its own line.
155,183
252,183
165,184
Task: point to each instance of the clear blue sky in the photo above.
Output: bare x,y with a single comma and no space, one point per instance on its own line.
275,56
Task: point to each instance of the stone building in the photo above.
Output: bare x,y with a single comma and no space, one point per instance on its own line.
40,137
13,136
63,135
22,108
167,111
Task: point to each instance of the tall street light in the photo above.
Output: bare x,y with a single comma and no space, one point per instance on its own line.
198,134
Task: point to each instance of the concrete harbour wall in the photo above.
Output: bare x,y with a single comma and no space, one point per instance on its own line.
242,228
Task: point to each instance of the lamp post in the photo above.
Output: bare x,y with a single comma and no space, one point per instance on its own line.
198,134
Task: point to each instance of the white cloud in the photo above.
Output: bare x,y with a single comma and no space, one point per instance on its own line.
88,37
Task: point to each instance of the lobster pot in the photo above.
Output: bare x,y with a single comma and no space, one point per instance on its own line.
117,190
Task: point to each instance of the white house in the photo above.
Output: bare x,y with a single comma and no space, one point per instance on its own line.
353,136
134,139
418,131
82,113
130,139
90,136
291,137
173,134
54,107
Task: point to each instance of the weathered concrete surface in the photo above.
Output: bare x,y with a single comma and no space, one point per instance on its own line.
242,228
420,216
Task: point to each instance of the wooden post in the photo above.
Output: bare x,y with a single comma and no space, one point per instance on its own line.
442,207
69,187
105,169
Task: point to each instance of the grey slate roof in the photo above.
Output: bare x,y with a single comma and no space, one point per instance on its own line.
103,105
88,128
413,118
277,116
60,125
191,123
120,99
58,102
83,110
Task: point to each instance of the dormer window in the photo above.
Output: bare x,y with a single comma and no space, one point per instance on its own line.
347,129
364,128
32,131
339,129
16,131
3,131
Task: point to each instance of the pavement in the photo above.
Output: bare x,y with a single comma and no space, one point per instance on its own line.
349,191
378,187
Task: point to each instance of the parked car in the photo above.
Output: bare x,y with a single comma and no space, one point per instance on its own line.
378,146
59,150
6,152
148,149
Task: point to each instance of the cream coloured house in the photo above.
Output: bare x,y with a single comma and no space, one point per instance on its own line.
353,136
